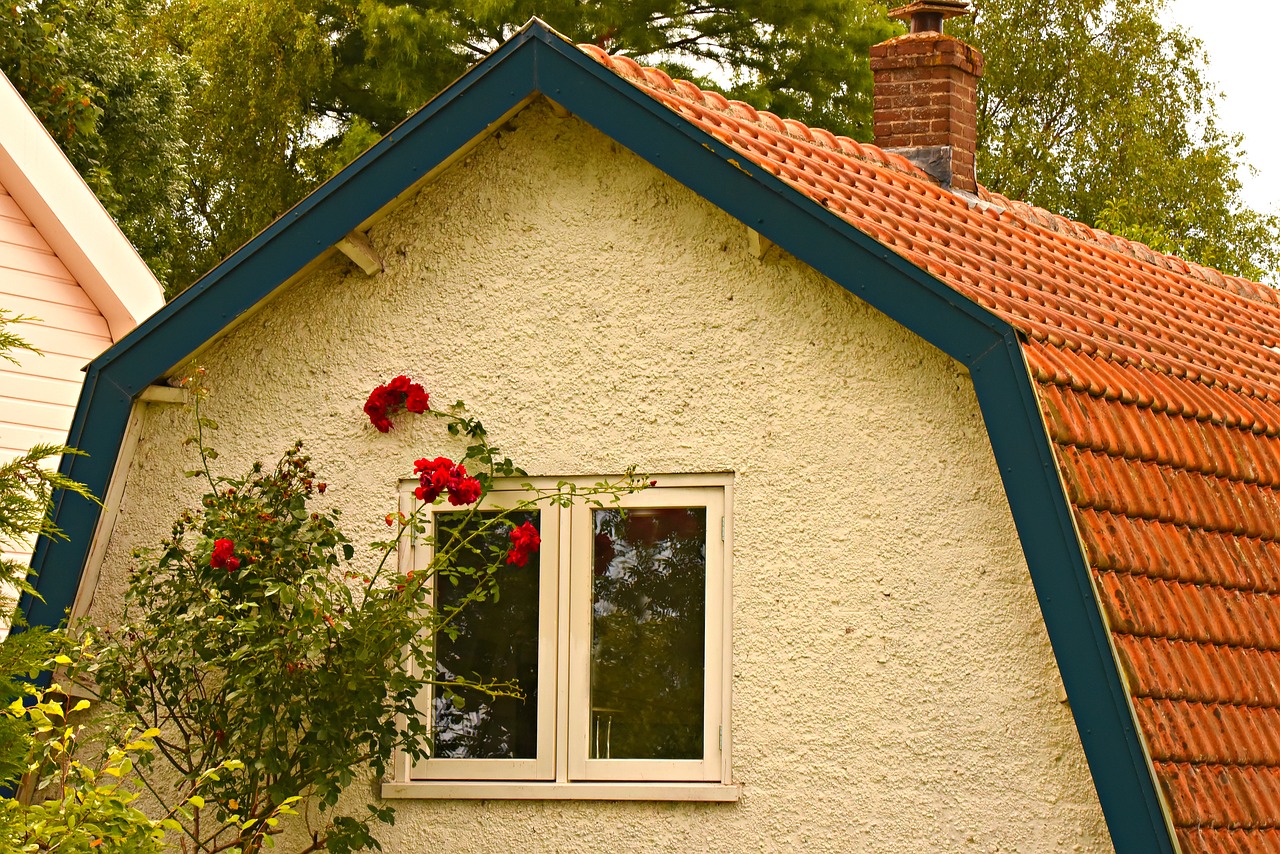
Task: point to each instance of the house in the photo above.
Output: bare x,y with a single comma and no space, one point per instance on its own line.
996,564
64,267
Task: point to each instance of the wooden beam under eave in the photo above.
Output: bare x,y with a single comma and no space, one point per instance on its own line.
758,244
357,247
163,394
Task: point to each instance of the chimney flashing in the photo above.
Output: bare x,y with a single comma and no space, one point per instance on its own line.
934,160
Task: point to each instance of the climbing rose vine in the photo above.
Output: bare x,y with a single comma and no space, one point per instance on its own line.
272,660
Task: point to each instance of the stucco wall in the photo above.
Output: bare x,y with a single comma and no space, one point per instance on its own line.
893,686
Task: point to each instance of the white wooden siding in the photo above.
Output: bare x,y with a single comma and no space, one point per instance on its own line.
38,394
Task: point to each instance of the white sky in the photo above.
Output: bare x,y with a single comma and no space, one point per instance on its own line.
1240,38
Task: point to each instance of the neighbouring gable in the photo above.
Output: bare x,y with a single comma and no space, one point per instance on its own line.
67,269
38,393
56,201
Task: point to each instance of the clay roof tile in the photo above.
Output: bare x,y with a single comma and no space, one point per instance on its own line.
1160,392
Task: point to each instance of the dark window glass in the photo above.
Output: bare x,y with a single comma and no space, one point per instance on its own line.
648,633
491,634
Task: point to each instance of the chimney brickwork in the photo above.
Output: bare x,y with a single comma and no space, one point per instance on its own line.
926,103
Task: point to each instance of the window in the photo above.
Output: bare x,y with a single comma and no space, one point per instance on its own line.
615,633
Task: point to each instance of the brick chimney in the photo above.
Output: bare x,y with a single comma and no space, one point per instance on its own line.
926,90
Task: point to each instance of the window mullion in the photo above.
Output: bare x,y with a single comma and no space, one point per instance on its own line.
577,568
564,679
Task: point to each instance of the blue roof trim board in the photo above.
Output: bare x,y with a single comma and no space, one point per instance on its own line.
538,61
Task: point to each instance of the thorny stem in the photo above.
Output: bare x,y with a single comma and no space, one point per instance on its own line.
204,456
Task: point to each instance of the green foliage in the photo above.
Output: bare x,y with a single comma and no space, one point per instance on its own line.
73,805
68,804
10,341
278,661
1100,112
22,657
26,490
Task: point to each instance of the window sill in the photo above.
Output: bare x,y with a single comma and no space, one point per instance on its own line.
487,790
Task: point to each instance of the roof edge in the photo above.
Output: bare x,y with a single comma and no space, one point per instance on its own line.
69,216
1133,803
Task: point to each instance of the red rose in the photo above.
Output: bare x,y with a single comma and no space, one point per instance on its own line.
524,542
416,400
221,557
465,491
436,476
385,400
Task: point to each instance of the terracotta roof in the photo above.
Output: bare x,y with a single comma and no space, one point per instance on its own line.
1160,390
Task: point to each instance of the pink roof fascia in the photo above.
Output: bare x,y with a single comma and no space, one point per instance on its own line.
68,215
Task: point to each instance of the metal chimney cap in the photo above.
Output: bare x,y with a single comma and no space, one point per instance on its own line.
927,15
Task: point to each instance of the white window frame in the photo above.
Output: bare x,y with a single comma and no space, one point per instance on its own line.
542,766
563,767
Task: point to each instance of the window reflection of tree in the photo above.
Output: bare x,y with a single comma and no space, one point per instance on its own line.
493,638
648,627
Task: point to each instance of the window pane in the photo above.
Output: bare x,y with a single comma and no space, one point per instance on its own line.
493,636
647,633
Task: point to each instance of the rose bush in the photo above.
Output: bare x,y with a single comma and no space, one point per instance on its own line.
254,634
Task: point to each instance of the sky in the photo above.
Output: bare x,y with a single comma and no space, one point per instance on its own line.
1239,36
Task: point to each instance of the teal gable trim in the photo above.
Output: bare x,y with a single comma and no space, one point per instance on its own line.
537,61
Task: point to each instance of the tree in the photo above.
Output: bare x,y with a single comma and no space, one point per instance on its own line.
218,115
1100,112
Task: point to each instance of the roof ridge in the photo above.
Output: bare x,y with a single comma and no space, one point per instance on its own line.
658,80
655,78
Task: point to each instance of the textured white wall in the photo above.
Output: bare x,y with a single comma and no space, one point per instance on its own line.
893,685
